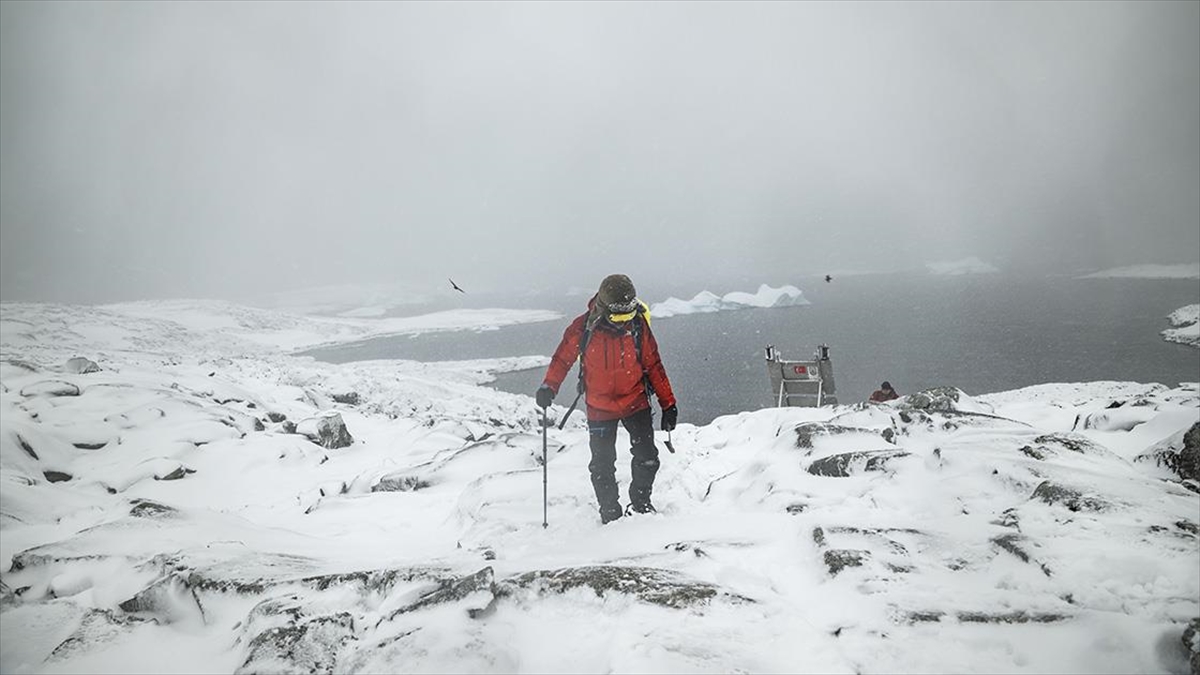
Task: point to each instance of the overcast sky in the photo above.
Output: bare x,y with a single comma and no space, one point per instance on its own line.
154,149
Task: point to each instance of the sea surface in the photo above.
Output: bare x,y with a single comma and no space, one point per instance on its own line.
980,333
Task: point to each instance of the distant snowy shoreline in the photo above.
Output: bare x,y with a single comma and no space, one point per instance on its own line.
1191,271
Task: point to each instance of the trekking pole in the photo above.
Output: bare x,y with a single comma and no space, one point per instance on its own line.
545,484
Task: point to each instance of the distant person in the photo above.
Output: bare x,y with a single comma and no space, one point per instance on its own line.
619,367
884,393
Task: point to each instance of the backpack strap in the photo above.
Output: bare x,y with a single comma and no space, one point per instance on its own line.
583,343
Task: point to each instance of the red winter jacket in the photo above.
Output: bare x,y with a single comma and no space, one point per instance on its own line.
612,374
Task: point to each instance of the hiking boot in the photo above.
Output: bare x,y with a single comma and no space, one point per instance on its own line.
607,516
640,508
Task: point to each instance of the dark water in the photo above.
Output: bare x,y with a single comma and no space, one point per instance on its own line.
979,333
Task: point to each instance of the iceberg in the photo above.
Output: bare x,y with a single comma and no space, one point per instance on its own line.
706,301
970,265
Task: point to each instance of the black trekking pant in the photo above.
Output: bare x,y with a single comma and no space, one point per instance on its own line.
603,467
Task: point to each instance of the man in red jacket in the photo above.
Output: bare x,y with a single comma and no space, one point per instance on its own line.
619,368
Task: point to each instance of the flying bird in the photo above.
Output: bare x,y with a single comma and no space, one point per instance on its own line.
456,286
828,278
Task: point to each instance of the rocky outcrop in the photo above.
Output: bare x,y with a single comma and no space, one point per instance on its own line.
808,432
938,398
1073,499
1191,642
1180,454
50,388
648,584
327,430
80,366
1188,466
849,463
399,483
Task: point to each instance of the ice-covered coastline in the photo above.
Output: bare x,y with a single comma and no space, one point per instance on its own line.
706,301
162,509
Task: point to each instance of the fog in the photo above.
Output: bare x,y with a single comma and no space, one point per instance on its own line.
155,149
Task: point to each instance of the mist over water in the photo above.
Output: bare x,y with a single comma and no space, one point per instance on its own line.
983,334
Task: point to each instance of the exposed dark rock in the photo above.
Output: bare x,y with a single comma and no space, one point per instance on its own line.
1191,642
97,626
1103,421
937,398
276,417
1013,543
1032,452
1188,466
648,584
26,446
1010,543
684,546
90,446
81,366
308,645
797,508
1186,526
818,536
144,508
169,599
377,581
844,465
1071,442
327,431
7,597
50,388
838,559
1072,499
807,431
179,472
1018,616
1008,518
348,398
879,533
24,365
922,616
57,476
399,483
456,589
289,427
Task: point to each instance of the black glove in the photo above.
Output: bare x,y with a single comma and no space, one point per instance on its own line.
670,416
544,396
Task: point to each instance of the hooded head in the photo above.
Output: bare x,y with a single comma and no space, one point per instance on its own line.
617,294
886,385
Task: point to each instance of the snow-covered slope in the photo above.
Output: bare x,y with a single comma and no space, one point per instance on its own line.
159,515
